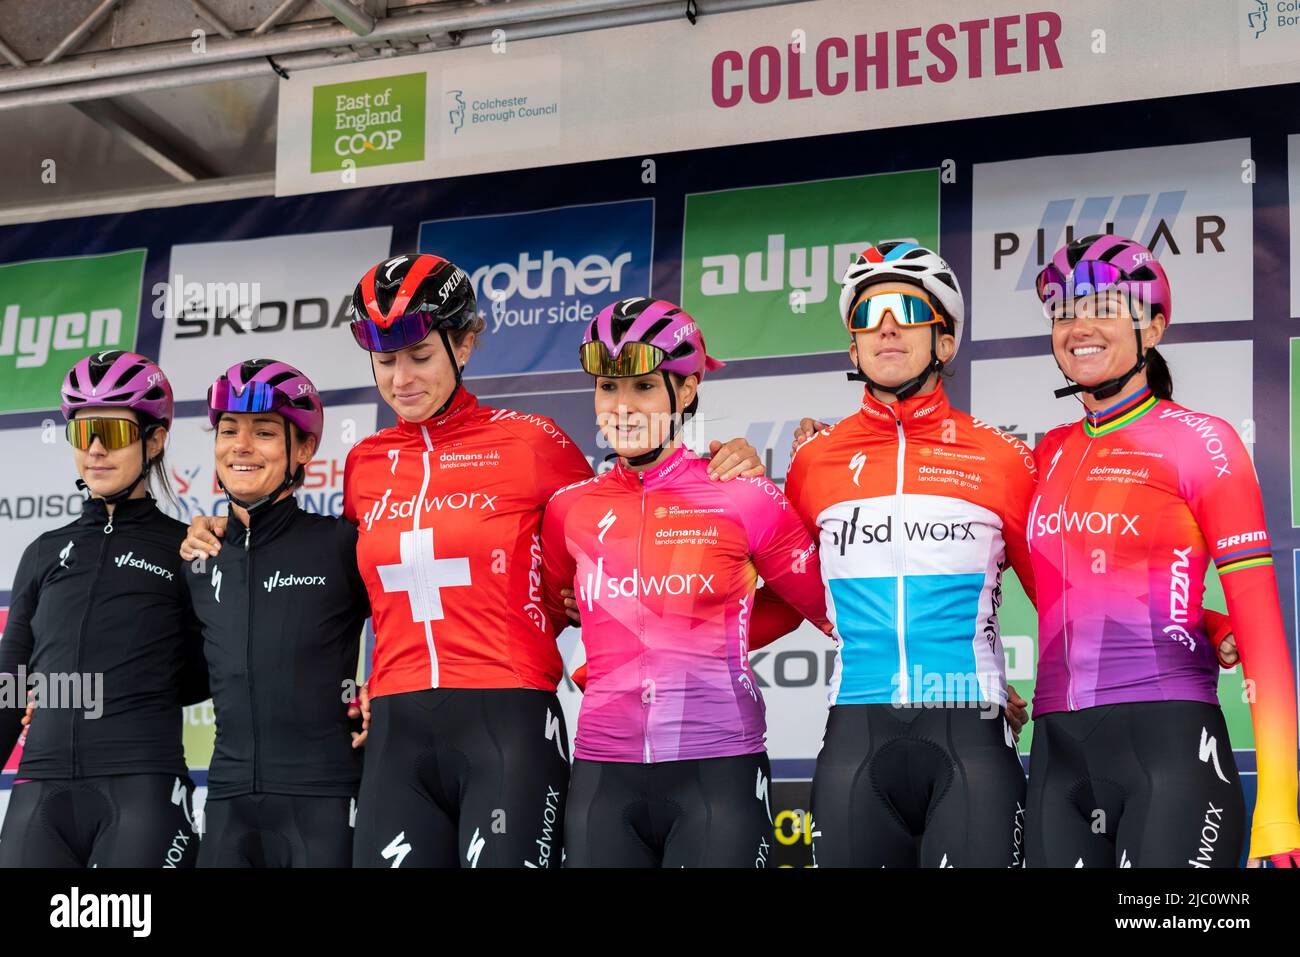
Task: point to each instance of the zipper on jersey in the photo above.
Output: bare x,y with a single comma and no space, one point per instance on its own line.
81,636
1065,577
904,697
248,646
640,631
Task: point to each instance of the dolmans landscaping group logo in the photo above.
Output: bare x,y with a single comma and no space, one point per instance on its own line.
369,122
761,267
55,311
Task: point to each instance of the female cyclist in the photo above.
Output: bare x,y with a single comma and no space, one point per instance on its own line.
467,758
282,613
100,608
670,764
1131,763
919,508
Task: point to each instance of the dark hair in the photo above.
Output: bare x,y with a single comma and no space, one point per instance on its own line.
475,328
300,476
155,472
1159,378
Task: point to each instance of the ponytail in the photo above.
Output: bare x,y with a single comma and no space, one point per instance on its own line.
1158,376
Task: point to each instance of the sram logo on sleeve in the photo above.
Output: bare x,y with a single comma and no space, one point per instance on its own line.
1244,538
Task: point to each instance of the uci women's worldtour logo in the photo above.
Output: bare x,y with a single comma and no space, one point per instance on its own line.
764,264
540,276
368,122
56,311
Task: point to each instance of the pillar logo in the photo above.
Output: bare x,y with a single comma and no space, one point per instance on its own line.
764,264
55,311
370,122
540,276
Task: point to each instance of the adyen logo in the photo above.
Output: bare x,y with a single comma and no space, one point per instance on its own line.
368,122
762,263
55,311
535,273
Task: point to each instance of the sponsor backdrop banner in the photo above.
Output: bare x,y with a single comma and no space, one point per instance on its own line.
801,69
752,240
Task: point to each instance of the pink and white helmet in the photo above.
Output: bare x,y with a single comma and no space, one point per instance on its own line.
125,379
1102,261
658,323
268,385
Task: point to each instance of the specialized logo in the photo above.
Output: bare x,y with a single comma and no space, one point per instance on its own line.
1095,523
181,798
555,732
1123,859
550,820
65,554
127,561
397,850
422,576
855,465
216,583
762,792
279,580
598,585
476,845
1209,753
606,521
1209,835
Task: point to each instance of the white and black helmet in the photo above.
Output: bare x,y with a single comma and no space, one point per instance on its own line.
905,259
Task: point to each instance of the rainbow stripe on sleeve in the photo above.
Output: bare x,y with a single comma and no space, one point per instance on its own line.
1247,558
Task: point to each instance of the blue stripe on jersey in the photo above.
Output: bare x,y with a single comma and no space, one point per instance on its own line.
940,610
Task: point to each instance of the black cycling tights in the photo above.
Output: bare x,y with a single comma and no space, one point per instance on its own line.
463,778
707,812
1148,784
917,786
120,820
277,830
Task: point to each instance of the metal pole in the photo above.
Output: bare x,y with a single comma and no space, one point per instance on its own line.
83,30
181,56
124,86
206,13
358,21
7,52
278,14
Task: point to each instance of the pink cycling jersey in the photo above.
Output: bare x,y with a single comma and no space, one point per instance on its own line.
664,564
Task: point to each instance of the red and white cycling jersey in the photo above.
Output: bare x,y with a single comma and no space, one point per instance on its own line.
449,513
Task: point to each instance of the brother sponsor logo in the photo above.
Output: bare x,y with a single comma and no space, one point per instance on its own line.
77,910
127,561
534,278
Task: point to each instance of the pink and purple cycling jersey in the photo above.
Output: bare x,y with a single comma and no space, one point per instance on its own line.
664,564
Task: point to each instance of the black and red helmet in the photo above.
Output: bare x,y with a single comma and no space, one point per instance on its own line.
404,298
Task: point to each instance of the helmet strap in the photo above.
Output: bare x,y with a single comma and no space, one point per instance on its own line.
123,494
451,355
646,458
1104,390
259,505
905,390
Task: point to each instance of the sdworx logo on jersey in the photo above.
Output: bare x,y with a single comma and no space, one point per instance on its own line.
762,266
55,311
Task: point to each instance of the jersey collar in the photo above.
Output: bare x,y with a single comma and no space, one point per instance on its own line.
464,402
95,511
915,412
663,472
270,521
1120,414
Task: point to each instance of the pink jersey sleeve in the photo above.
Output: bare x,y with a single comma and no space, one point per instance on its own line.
1217,479
783,551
